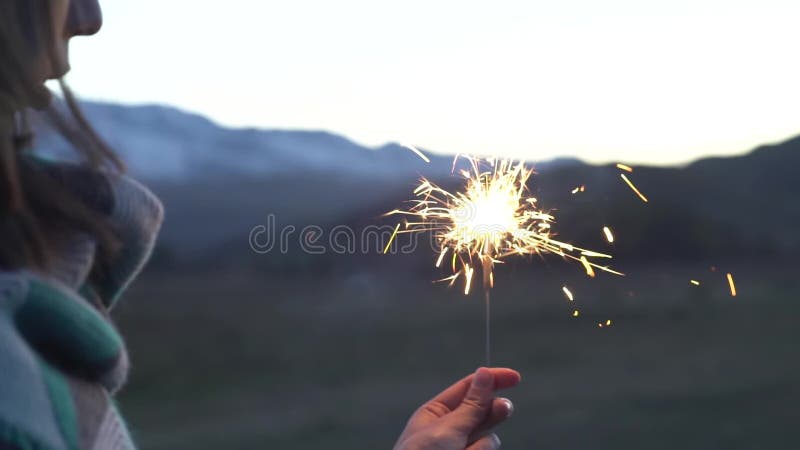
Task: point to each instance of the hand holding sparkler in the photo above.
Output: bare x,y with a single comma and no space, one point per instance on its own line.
463,415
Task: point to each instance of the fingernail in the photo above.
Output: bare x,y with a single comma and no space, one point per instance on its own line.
483,378
509,406
496,440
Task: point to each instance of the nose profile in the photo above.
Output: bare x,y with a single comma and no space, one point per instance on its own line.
84,19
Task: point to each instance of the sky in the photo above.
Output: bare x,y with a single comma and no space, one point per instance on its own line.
647,82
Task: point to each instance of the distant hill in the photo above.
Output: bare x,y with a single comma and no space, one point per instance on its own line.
218,183
165,144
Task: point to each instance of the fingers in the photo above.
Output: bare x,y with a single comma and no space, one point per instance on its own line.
477,403
488,442
452,396
502,408
449,399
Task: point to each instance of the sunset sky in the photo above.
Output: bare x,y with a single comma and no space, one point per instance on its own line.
642,82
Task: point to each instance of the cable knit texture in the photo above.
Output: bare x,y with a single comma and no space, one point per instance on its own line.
61,358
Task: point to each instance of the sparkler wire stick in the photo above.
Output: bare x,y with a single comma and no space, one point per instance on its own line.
488,301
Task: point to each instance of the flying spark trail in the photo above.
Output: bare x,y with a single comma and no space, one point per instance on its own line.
391,239
609,236
624,167
417,151
491,219
731,285
568,293
694,282
641,196
588,266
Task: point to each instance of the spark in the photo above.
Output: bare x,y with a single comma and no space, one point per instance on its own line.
587,266
731,285
591,254
491,219
608,322
417,151
694,282
391,239
580,188
469,271
641,196
576,313
609,236
568,293
441,256
625,167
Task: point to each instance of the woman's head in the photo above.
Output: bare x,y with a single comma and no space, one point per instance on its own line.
34,48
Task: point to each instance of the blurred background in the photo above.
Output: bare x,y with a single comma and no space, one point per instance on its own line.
255,120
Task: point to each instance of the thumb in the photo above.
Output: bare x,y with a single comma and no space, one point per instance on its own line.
477,403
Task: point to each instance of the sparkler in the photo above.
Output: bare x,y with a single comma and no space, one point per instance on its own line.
492,219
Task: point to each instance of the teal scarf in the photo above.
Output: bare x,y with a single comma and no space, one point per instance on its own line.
61,358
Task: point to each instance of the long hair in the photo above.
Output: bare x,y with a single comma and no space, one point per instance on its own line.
39,202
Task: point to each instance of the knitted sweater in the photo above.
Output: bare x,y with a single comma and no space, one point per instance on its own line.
61,359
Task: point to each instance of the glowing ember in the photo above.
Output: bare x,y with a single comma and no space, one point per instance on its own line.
576,313
580,188
641,196
694,282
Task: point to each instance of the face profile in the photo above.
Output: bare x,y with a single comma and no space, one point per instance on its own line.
67,19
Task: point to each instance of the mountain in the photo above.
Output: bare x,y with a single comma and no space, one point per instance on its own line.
165,144
218,184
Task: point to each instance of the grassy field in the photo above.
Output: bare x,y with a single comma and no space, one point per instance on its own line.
234,359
